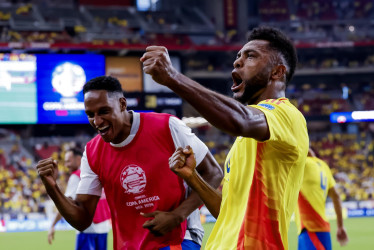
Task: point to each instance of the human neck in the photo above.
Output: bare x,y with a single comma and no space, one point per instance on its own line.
126,127
274,90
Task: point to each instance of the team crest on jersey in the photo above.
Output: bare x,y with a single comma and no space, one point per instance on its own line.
133,179
267,106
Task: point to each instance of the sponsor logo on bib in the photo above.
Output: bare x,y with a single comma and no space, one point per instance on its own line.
133,179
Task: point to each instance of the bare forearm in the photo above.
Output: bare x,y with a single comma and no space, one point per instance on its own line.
57,218
211,197
333,194
74,214
212,174
221,111
338,211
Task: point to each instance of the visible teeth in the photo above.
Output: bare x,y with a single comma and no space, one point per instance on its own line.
102,128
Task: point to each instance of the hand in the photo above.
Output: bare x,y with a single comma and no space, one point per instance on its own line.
183,162
48,171
162,222
156,62
341,236
51,235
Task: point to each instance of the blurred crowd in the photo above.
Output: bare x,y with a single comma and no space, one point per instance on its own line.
324,99
21,190
350,156
70,22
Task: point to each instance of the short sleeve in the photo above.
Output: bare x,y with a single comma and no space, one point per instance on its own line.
90,183
72,186
331,180
183,136
286,124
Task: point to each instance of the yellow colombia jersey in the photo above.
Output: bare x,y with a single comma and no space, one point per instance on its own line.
312,198
262,182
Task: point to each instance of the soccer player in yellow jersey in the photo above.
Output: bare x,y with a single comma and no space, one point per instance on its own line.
313,227
264,169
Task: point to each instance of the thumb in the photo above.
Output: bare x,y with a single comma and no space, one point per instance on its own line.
188,150
148,215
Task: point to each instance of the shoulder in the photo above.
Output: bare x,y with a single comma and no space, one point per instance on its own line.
94,140
93,143
74,177
282,105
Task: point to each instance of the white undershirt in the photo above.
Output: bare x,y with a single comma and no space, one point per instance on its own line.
94,228
181,134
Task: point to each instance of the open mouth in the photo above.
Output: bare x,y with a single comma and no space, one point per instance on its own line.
103,130
237,82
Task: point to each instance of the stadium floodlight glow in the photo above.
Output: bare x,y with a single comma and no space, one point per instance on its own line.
355,116
363,115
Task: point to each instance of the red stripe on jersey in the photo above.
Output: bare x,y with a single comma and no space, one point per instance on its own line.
260,227
310,219
176,247
316,242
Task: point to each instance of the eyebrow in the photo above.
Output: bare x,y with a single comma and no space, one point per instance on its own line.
246,51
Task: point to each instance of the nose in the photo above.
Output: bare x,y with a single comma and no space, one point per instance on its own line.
97,121
237,63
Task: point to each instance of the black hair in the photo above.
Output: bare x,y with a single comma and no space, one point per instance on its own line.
279,42
108,83
75,151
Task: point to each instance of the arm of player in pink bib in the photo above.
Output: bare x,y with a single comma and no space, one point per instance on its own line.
79,213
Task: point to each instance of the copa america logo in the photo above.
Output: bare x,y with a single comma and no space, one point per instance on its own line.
133,179
68,79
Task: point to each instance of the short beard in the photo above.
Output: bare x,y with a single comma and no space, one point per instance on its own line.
252,88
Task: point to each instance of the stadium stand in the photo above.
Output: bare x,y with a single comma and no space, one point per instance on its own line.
334,74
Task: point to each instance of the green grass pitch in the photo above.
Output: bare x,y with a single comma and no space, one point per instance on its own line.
360,232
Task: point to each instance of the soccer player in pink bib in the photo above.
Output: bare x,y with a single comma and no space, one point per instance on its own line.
151,207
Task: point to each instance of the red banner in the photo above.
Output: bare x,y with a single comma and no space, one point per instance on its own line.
231,14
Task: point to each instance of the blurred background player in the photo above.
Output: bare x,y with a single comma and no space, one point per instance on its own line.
313,226
95,236
150,206
265,166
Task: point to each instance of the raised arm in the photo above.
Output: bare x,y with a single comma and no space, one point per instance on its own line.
78,213
222,112
341,234
164,222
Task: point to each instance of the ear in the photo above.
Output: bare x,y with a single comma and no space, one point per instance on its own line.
278,72
123,103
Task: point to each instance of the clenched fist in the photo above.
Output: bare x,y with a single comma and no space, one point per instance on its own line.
156,62
183,162
48,171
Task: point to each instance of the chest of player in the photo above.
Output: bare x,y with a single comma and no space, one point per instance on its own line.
137,177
